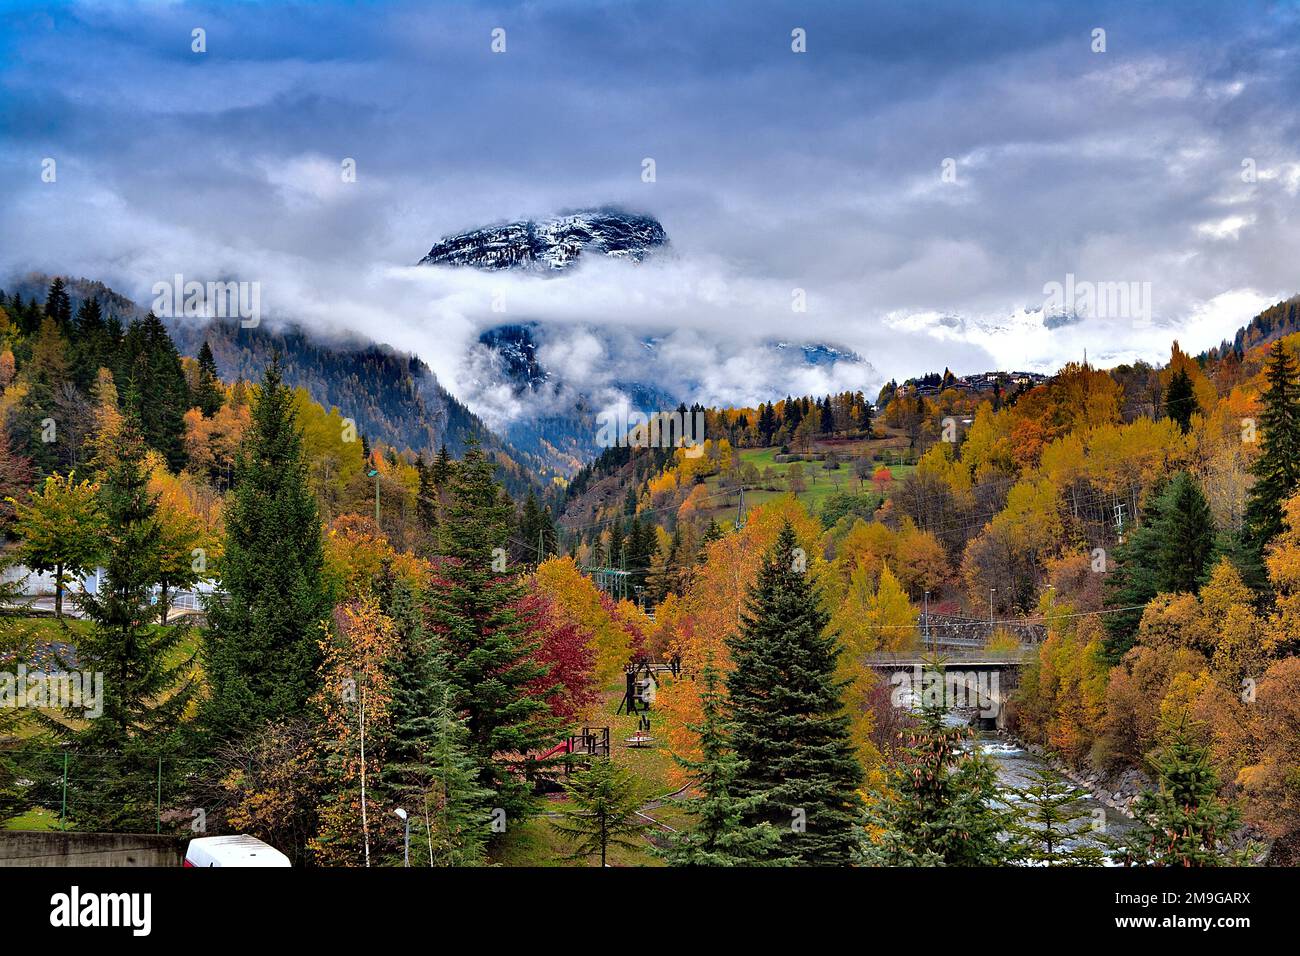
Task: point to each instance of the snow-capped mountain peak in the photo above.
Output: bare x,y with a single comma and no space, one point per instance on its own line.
551,244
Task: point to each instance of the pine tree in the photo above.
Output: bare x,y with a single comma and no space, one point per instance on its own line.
1180,399
1183,822
487,647
531,532
602,811
426,505
89,344
58,306
155,388
664,577
428,768
940,804
1186,536
791,731
208,395
1053,827
766,424
719,836
1277,469
614,555
1134,581
442,467
261,645
455,804
143,693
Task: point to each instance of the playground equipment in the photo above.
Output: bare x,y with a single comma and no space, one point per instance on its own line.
641,736
643,676
578,748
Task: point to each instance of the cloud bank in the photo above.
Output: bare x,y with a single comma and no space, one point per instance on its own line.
1171,159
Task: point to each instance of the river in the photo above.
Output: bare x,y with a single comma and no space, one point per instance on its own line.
1016,768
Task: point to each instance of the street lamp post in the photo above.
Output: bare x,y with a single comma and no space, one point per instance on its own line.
406,846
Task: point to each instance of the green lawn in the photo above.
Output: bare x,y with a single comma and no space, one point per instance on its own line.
819,482
38,819
538,843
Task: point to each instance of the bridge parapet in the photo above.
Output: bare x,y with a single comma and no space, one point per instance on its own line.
971,658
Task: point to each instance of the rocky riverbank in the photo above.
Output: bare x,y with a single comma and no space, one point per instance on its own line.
1116,791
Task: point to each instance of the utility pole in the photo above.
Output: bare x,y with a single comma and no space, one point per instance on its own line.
925,616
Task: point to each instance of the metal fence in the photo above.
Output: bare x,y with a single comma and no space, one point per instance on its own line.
78,789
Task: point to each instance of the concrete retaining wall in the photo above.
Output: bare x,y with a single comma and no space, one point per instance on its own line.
57,848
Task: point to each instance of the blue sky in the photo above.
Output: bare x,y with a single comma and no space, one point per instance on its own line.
775,170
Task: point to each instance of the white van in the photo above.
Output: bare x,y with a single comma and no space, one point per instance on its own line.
237,850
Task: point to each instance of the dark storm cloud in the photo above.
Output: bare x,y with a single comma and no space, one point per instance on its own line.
775,170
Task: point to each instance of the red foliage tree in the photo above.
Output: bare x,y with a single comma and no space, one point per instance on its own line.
566,648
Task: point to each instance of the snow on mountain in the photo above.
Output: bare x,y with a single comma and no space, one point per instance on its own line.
551,244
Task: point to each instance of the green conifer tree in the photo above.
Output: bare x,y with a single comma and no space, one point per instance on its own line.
155,387
143,693
1053,827
1134,581
208,394
1184,821
488,649
1277,469
1185,533
602,811
1180,400
940,805
790,727
719,836
261,646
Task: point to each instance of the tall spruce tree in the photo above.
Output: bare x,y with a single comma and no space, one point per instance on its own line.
1277,469
719,836
155,387
791,731
146,685
208,395
261,645
428,769
442,468
58,305
1180,400
531,545
486,644
143,693
456,805
1134,581
1185,532
90,346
